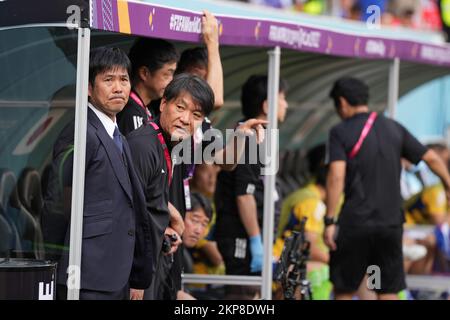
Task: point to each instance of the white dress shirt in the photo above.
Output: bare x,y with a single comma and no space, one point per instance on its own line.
109,125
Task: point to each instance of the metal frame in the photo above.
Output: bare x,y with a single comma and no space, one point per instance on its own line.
394,74
437,283
222,279
269,181
79,160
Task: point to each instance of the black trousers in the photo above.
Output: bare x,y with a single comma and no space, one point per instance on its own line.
167,278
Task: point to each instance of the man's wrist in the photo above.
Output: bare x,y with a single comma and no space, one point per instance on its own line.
329,220
212,45
255,237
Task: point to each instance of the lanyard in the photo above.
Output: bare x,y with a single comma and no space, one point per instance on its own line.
166,150
138,100
365,131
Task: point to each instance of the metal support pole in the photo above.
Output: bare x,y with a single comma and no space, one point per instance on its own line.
394,74
270,175
79,159
221,279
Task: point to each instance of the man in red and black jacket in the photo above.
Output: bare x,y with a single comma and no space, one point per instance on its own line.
186,101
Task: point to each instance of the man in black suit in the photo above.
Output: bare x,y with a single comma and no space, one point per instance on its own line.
116,249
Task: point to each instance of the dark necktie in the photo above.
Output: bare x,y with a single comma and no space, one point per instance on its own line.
118,139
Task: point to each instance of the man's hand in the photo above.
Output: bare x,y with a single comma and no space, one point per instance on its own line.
176,220
328,237
257,252
136,294
173,244
210,29
251,126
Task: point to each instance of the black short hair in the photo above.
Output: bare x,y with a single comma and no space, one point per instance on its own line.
106,58
151,53
321,176
316,164
316,158
199,201
193,57
254,93
355,91
198,88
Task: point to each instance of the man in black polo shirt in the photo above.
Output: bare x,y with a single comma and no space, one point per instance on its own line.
239,196
153,65
364,153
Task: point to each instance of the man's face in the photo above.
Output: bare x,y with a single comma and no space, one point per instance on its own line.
205,178
158,80
282,106
110,91
180,116
195,224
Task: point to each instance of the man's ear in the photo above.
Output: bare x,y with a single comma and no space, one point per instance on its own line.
89,89
143,73
343,102
265,107
163,105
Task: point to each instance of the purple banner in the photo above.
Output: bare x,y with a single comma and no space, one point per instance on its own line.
153,21
105,15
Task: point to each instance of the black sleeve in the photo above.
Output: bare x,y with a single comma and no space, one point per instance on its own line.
129,119
143,159
412,149
245,180
336,147
148,162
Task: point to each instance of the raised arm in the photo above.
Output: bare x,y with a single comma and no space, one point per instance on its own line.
214,77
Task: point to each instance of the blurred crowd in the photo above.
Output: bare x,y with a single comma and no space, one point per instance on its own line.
431,15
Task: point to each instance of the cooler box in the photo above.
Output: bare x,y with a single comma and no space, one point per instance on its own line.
27,279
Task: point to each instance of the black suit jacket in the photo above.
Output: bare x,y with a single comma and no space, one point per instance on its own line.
117,244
